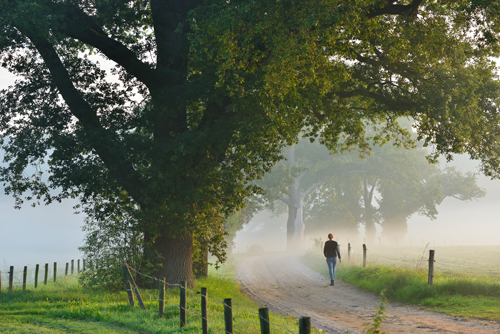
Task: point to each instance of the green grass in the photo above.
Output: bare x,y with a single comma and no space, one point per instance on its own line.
65,307
456,291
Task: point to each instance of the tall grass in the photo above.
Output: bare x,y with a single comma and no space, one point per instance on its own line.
66,307
459,295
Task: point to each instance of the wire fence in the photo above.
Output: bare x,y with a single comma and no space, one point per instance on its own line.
16,278
199,316
451,260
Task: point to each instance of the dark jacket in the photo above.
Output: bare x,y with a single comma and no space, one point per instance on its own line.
331,249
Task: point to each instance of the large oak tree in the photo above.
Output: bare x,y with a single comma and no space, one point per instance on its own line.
205,93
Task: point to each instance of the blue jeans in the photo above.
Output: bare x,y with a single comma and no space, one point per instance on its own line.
332,263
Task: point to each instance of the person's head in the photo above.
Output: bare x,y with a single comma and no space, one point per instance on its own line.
330,236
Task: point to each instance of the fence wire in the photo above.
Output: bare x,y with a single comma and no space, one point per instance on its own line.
194,292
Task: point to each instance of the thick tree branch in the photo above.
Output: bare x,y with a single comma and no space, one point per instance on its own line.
285,200
106,143
82,27
312,187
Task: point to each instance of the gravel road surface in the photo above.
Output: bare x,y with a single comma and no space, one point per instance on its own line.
286,285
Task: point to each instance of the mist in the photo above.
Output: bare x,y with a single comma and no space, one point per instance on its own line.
475,222
38,235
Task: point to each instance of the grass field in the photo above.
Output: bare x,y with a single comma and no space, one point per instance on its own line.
65,307
466,282
480,261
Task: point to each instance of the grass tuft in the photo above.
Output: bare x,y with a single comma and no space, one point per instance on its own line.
66,307
456,294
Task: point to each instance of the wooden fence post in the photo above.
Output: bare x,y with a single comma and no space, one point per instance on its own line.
128,275
228,315
364,255
46,277
25,277
55,271
161,288
431,267
72,267
83,264
264,321
305,325
0,281
11,277
66,271
182,305
37,271
204,315
78,266
130,295
349,252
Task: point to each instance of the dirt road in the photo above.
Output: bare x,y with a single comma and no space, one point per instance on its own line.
286,285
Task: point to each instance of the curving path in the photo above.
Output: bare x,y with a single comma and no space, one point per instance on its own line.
285,285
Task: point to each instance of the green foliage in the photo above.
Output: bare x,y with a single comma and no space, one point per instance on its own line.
378,318
107,245
67,307
459,293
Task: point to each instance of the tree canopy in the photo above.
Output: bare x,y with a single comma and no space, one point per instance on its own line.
204,94
385,188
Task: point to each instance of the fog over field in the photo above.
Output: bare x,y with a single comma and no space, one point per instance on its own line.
475,222
53,233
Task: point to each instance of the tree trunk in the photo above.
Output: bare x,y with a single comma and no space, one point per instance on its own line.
170,257
369,212
200,261
370,229
290,227
395,228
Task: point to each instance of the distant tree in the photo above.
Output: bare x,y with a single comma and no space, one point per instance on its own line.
335,206
400,198
387,187
306,166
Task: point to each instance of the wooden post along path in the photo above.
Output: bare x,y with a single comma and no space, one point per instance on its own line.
204,313
364,255
182,304
161,302
37,271
265,328
128,287
25,277
305,325
228,315
431,267
46,277
11,277
128,276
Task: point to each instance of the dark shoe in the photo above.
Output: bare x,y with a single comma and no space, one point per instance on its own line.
331,283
